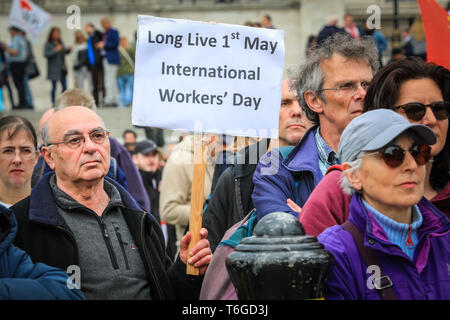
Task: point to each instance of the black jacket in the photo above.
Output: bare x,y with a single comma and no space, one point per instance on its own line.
232,197
46,238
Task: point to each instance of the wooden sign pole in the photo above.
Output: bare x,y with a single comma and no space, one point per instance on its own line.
197,197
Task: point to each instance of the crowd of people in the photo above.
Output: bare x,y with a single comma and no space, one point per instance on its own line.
361,159
102,63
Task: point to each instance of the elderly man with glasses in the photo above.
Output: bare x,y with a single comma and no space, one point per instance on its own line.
78,220
331,85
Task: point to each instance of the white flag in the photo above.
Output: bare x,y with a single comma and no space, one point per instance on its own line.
29,17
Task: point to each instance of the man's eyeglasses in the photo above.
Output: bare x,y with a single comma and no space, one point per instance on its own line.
394,155
9,153
74,141
349,88
415,111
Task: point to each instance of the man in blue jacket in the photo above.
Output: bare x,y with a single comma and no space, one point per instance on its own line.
110,50
331,86
22,279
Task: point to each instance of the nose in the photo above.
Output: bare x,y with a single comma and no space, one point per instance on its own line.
360,93
89,145
296,110
17,158
429,119
409,164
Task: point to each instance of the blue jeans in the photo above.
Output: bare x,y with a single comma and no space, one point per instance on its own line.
125,84
28,96
64,87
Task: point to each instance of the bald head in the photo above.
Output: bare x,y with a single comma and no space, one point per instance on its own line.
65,119
106,23
77,148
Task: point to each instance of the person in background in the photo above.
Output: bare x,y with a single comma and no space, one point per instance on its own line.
329,29
232,201
5,77
147,158
395,243
266,22
17,56
81,64
2,76
125,72
310,45
352,28
18,156
417,41
55,52
176,185
30,71
109,48
129,140
95,62
379,39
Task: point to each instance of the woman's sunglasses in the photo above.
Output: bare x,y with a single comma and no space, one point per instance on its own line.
415,111
394,155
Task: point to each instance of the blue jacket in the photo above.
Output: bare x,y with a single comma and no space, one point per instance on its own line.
112,46
425,277
22,279
294,176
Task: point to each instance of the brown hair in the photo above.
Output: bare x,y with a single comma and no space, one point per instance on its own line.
13,124
384,91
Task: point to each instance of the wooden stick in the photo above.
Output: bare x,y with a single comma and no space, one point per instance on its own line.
197,197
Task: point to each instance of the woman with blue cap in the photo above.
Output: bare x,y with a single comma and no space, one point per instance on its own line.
395,243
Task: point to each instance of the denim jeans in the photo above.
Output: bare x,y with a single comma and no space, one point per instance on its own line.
125,84
64,87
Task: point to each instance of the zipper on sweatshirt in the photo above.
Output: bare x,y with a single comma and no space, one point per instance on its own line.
122,245
108,243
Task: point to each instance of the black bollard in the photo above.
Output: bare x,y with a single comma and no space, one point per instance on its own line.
279,262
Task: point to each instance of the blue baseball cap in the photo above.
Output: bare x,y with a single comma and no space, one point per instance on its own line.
375,129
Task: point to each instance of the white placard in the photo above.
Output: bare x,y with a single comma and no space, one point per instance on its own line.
207,77
29,17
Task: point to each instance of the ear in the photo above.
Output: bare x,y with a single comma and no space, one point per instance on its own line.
352,176
48,157
313,101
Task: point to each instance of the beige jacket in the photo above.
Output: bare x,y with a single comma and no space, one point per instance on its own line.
176,185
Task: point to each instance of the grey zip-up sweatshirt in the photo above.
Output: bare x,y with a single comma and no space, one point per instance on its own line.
110,264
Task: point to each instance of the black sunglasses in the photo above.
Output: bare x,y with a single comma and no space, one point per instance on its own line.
394,155
415,111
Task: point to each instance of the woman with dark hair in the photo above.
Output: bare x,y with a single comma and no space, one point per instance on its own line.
55,52
18,156
420,92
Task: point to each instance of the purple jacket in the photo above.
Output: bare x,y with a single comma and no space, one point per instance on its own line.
295,177
134,180
426,277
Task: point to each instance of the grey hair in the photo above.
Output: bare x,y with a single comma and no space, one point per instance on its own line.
75,97
309,75
44,134
355,165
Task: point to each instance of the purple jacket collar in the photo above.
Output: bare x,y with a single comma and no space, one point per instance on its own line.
43,208
305,157
435,224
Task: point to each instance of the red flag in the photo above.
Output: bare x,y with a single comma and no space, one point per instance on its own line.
436,23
